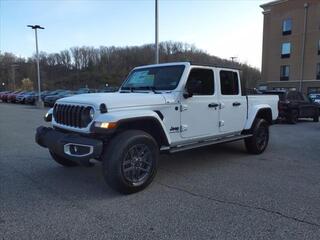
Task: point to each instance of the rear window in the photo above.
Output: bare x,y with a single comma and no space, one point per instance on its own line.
229,83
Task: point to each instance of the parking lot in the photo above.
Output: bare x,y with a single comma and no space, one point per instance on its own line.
218,192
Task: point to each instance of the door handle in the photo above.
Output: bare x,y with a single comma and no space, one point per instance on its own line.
236,104
213,105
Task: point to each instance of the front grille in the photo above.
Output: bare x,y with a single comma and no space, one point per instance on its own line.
72,115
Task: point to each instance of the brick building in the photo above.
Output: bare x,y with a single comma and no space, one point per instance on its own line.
291,45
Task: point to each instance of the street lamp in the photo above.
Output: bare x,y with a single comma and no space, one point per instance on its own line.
233,59
156,32
36,27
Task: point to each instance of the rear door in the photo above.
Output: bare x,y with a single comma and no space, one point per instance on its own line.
233,106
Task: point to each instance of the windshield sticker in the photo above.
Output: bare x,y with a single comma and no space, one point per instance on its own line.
142,78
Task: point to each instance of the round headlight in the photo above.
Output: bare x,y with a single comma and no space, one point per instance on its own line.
91,113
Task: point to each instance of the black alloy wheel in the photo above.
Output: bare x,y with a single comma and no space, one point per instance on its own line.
137,164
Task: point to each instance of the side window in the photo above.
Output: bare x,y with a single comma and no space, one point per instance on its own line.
229,83
201,81
292,96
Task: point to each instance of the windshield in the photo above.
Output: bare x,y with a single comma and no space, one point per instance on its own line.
154,78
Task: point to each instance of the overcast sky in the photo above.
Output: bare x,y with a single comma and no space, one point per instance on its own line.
224,28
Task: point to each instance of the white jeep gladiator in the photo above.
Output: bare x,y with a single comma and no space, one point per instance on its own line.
159,108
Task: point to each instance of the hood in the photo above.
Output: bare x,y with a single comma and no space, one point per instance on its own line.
116,99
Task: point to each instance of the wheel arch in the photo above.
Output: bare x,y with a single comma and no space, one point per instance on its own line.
261,113
148,124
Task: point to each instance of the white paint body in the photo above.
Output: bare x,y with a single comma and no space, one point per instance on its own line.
192,117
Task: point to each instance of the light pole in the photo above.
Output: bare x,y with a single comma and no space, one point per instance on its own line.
36,27
156,32
233,58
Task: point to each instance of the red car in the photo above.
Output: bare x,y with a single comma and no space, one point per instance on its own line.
3,93
4,97
12,97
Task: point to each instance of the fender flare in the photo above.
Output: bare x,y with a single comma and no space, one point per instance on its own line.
126,117
256,111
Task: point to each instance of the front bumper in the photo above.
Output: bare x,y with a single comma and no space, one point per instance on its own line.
69,145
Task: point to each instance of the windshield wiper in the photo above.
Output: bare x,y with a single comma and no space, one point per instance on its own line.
152,88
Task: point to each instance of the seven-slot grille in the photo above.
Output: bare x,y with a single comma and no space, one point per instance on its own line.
72,115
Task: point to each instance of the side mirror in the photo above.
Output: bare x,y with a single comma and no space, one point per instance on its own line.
193,86
187,94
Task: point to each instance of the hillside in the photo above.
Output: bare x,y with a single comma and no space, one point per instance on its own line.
94,67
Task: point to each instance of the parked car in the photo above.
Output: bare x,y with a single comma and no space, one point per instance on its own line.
109,89
159,108
4,96
51,99
294,105
84,90
49,93
21,98
12,96
33,97
315,97
4,93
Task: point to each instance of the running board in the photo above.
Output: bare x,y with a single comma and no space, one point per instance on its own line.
207,143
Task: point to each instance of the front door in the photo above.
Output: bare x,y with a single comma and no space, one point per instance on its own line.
200,113
233,106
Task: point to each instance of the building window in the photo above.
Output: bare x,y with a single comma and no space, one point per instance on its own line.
286,50
318,71
319,47
284,72
287,27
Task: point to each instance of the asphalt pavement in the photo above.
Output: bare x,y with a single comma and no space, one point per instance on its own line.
217,192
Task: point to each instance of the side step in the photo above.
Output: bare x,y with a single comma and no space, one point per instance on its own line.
208,142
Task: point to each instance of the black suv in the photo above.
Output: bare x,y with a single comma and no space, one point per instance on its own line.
294,105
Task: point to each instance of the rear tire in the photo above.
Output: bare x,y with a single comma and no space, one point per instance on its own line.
130,161
63,161
293,117
259,141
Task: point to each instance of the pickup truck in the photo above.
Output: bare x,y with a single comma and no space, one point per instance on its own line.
294,105
162,108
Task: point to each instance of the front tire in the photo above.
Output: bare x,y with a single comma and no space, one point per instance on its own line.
259,141
130,161
63,161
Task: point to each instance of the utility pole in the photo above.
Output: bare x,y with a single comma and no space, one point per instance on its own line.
233,58
36,27
156,32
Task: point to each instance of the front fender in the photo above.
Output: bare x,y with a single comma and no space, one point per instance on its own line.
123,116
